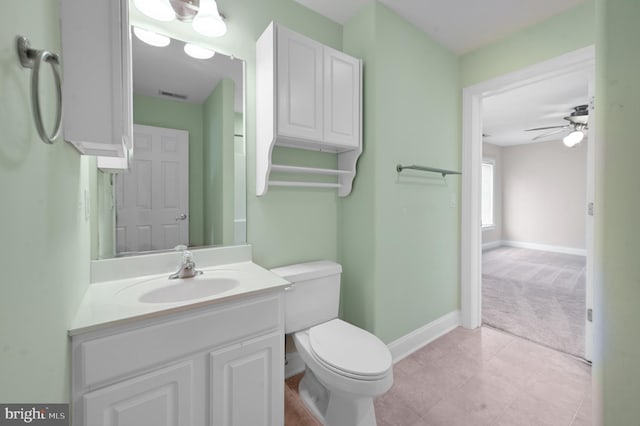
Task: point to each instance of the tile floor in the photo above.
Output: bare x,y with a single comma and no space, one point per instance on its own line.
487,377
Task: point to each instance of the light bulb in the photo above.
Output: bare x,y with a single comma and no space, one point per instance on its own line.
149,37
198,52
159,10
208,21
573,138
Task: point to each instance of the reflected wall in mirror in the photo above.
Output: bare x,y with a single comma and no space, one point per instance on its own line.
187,182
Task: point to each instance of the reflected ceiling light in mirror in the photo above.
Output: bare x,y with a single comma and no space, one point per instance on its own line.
185,10
573,138
198,52
208,21
151,38
159,10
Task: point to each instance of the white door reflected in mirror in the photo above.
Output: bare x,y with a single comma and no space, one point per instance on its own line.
152,199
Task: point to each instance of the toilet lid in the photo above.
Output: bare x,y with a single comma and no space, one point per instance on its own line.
350,349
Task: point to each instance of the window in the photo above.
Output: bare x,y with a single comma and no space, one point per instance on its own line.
487,193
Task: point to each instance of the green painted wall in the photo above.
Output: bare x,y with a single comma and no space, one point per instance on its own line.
617,294
286,225
357,240
45,237
563,33
399,233
152,111
219,128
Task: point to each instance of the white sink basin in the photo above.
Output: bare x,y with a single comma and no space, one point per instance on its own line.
164,290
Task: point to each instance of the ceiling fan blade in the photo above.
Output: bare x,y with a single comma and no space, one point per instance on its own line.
547,128
544,135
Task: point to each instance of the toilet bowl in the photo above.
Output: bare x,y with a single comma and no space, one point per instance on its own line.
346,367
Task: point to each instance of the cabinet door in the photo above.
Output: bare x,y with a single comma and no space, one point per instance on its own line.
341,99
247,383
160,398
96,94
299,86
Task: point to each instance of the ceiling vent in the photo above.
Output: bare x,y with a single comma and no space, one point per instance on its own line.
173,95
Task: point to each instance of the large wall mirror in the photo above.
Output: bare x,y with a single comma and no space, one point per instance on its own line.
187,182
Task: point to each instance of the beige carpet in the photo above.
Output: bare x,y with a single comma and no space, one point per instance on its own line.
295,413
537,295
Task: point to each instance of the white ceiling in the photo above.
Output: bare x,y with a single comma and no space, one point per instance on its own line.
460,25
542,104
171,70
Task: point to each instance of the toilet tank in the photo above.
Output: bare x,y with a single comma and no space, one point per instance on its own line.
314,296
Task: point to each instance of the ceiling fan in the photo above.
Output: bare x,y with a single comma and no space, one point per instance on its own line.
578,124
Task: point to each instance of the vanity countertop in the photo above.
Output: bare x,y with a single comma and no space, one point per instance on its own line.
117,302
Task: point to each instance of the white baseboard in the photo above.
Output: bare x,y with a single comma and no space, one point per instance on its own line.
294,365
409,343
545,247
491,245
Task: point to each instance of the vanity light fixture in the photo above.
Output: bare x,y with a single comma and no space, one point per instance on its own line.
198,52
208,21
203,14
151,38
573,138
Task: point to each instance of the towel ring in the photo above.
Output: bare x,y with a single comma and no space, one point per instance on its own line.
32,58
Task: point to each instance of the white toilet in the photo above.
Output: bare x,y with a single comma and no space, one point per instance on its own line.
346,367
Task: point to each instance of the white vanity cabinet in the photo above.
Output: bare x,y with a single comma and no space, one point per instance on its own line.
221,364
96,63
309,96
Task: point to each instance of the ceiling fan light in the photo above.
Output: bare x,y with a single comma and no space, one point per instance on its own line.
198,52
160,10
151,38
573,138
208,21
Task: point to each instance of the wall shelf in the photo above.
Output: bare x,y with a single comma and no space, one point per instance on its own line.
306,170
303,184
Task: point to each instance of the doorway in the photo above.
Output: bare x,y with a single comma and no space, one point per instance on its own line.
582,60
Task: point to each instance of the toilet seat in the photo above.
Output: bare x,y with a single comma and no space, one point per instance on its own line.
349,351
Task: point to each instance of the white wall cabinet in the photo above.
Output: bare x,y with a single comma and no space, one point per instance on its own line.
309,96
217,365
96,63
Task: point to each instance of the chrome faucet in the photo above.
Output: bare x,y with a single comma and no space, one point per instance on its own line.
187,267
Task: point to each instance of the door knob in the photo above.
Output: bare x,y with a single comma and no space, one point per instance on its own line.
183,216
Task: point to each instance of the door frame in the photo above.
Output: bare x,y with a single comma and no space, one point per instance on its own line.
471,231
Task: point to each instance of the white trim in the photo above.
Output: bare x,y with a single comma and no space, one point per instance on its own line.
545,247
491,245
471,241
409,343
